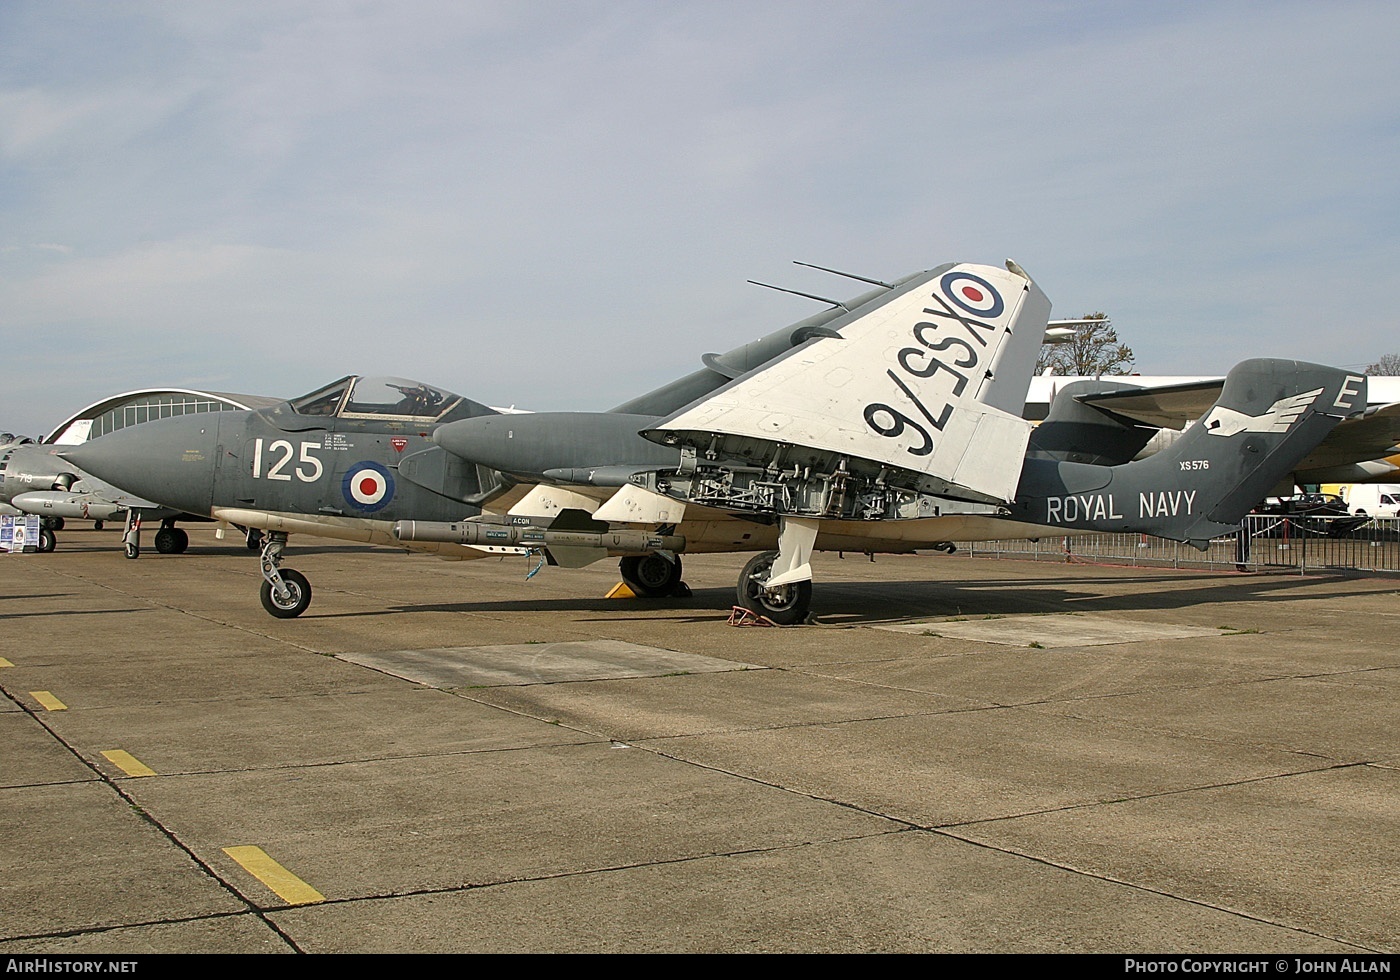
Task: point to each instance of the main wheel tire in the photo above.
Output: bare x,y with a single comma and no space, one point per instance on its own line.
53,523
788,607
296,603
47,541
651,576
171,540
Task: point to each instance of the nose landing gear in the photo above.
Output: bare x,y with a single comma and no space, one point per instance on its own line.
285,592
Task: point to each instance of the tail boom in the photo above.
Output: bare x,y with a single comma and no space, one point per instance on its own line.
1270,415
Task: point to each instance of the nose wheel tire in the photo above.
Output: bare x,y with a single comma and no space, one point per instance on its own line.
786,606
651,576
296,601
133,550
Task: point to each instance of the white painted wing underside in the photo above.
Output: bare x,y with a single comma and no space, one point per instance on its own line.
921,383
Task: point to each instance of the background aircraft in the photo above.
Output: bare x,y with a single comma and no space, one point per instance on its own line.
1365,452
34,479
889,423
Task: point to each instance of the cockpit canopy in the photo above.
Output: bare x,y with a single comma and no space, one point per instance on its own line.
381,398
357,397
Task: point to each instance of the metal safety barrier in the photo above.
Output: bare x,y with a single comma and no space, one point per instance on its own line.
1262,542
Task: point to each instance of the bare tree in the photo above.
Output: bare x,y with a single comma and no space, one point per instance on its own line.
1388,364
1093,351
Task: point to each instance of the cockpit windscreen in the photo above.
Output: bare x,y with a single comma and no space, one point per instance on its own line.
381,397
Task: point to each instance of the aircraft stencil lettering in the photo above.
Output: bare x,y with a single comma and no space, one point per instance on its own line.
1167,503
1081,507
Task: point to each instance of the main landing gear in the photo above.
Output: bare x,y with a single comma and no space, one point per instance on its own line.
778,584
786,605
286,593
653,576
170,540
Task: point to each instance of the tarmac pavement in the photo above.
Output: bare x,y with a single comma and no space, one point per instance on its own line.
965,755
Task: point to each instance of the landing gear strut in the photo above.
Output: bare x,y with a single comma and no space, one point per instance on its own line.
653,576
786,605
131,537
286,593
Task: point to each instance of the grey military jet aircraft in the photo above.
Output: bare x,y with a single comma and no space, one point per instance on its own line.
349,460
889,423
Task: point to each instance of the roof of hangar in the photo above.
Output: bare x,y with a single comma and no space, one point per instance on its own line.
228,401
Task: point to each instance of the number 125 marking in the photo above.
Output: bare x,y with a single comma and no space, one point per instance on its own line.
282,446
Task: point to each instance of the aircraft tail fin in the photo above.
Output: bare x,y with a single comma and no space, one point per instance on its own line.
1269,416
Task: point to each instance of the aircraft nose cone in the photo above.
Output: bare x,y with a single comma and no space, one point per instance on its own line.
169,461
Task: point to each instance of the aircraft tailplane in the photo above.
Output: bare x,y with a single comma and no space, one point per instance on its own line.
1270,415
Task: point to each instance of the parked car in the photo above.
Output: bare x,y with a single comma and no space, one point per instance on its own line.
1311,513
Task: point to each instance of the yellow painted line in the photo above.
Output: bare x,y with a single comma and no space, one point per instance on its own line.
49,702
287,886
128,763
5,663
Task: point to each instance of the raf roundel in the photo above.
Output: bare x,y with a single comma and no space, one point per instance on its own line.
367,486
972,294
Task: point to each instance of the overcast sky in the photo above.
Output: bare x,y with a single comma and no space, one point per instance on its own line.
556,205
